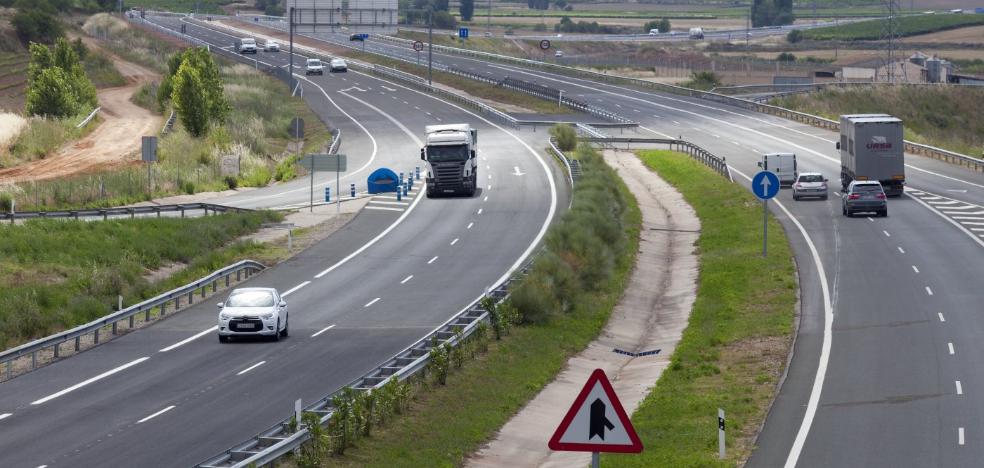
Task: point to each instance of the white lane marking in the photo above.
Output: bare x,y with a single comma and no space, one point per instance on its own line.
957,208
490,176
886,233
89,381
432,260
148,418
676,123
976,218
977,229
455,241
408,278
189,340
828,319
383,208
915,269
254,366
838,194
295,288
960,435
971,223
470,225
959,388
479,211
934,202
900,250
929,291
5,415
756,150
371,302
329,327
950,347
486,198
390,203
869,219
941,316
489,187
716,136
736,143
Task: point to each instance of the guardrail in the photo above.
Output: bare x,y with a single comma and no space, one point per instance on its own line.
718,163
336,141
567,163
168,124
278,441
54,342
88,119
132,211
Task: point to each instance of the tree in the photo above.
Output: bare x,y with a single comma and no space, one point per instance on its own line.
57,85
785,57
467,9
444,20
794,36
37,25
47,94
772,13
662,25
190,100
440,5
81,87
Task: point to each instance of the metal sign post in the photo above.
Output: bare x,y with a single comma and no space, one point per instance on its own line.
325,163
765,185
148,154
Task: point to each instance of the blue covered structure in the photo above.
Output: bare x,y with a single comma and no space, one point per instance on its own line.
383,180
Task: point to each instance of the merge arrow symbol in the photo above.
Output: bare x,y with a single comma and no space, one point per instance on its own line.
517,171
598,422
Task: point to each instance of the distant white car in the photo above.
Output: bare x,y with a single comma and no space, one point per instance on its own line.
314,67
337,65
247,45
559,54
253,312
271,46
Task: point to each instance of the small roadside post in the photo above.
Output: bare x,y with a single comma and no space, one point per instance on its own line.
288,226
296,131
148,154
721,433
765,185
596,423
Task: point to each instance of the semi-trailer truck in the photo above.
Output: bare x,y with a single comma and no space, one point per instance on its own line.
451,153
871,148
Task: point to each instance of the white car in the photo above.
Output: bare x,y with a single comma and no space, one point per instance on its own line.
253,312
314,67
247,45
337,65
271,46
559,54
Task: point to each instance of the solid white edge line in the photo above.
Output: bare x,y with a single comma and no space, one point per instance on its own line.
6,415
254,366
959,388
295,288
329,327
828,314
89,381
148,418
941,215
408,278
189,340
432,260
371,302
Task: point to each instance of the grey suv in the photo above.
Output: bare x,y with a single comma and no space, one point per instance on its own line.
864,195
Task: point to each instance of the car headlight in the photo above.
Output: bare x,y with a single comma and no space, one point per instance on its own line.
224,316
267,316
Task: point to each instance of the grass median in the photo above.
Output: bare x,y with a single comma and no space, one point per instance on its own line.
447,422
740,329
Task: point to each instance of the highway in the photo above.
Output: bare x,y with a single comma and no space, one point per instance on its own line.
885,369
886,365
172,395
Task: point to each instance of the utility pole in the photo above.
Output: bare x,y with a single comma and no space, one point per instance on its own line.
488,19
290,66
430,44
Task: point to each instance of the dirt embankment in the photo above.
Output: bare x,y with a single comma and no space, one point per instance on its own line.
114,143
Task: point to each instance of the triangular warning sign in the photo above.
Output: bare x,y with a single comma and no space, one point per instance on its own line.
596,421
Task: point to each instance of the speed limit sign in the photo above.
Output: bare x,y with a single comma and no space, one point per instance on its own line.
544,44
418,46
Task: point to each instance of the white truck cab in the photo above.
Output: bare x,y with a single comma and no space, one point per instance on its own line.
782,165
451,153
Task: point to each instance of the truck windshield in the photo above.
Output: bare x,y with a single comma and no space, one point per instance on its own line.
447,153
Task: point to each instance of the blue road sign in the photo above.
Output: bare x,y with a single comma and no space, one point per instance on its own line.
463,33
765,185
364,36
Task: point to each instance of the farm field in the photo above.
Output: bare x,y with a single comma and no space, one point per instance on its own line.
908,26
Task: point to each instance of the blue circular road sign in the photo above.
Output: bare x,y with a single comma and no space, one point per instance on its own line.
765,185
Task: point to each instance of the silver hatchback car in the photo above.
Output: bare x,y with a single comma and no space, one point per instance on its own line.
253,312
864,195
810,184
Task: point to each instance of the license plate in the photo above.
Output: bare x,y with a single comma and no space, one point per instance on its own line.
247,325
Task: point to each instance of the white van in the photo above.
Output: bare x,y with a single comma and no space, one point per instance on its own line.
782,165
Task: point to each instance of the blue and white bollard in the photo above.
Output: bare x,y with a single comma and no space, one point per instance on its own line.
353,190
416,171
401,178
327,194
410,180
398,193
406,187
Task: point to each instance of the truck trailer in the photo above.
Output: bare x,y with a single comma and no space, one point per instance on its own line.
451,153
871,148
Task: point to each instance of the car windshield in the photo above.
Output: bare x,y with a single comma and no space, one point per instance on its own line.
314,62
811,178
250,299
249,41
447,153
867,188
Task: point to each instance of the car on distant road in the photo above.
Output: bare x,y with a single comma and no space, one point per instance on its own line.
356,37
810,184
314,67
247,45
864,196
488,33
271,46
337,65
559,54
253,312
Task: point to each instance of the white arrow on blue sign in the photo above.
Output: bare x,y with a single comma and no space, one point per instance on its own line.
765,185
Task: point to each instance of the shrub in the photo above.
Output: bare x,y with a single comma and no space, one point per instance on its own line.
565,135
786,57
188,187
704,80
231,182
794,36
34,25
540,27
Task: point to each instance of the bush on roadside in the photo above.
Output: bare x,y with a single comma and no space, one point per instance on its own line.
703,80
786,57
794,36
57,85
35,25
565,135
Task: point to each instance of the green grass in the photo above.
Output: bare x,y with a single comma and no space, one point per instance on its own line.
41,137
734,348
947,117
907,26
181,6
474,88
100,69
60,273
446,423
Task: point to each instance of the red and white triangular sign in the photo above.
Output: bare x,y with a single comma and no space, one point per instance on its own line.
596,421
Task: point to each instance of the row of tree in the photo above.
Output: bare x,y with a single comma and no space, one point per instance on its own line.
772,13
56,82
194,87
661,25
